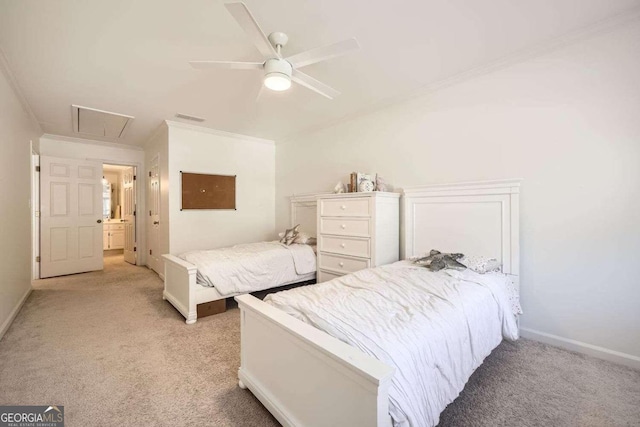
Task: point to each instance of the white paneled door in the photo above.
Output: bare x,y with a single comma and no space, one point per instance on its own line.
129,214
70,216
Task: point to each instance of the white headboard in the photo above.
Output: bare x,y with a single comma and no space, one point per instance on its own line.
479,218
304,209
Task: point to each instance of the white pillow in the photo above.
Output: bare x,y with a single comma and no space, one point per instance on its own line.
481,264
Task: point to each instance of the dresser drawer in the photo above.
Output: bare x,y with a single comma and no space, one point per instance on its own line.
114,227
345,207
344,245
341,264
345,226
325,276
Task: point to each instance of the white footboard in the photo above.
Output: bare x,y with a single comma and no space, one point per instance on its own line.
305,377
180,286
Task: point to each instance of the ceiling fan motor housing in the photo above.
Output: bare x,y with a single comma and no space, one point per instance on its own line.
279,66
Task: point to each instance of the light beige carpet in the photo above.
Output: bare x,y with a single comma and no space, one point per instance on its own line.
107,347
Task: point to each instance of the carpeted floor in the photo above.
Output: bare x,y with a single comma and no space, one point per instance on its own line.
107,347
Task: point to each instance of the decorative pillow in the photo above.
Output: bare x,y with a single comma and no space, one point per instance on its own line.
304,239
290,235
436,261
481,264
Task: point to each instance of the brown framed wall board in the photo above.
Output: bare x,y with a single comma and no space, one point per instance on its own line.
207,191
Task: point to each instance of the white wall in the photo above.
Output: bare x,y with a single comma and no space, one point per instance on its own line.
17,129
568,122
193,149
118,154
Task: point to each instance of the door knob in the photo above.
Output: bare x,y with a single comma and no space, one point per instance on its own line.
99,221
156,222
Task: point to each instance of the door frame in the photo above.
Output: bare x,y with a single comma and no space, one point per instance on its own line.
35,214
138,221
159,269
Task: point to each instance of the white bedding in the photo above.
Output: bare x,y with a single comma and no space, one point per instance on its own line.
251,267
435,328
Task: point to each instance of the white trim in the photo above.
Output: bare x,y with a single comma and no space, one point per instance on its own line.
517,57
92,141
35,214
582,347
501,186
7,323
223,133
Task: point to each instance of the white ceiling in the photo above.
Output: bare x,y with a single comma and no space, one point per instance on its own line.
130,57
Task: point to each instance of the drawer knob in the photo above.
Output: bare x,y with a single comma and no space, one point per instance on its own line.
343,245
341,264
343,207
343,226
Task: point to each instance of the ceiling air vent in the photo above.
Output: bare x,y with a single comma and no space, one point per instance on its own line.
188,117
89,121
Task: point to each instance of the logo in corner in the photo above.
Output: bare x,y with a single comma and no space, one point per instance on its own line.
32,416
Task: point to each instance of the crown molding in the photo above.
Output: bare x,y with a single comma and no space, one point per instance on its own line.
75,140
573,37
13,83
188,126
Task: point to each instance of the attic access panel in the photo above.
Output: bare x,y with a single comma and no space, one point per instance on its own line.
203,191
90,121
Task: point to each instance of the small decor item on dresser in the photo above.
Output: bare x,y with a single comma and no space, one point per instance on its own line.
353,179
290,235
381,185
366,183
436,261
339,188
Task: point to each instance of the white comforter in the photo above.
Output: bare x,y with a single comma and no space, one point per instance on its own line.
435,328
251,267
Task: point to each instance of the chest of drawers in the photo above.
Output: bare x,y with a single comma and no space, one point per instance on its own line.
357,231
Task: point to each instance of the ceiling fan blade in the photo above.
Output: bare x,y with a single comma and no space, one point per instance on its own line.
323,53
313,84
248,23
205,65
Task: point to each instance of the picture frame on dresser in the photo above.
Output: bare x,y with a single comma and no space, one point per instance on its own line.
357,231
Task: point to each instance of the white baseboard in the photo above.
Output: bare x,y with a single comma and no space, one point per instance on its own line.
5,326
582,347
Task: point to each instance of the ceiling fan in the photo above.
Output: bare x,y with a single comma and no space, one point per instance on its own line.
279,71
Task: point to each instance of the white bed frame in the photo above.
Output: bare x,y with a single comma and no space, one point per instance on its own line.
305,377
184,293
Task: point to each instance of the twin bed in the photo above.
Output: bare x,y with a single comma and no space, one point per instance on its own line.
197,283
395,344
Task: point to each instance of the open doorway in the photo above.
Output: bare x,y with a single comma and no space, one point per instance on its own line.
119,213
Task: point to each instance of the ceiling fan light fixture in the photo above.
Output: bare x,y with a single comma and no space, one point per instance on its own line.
277,74
277,81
